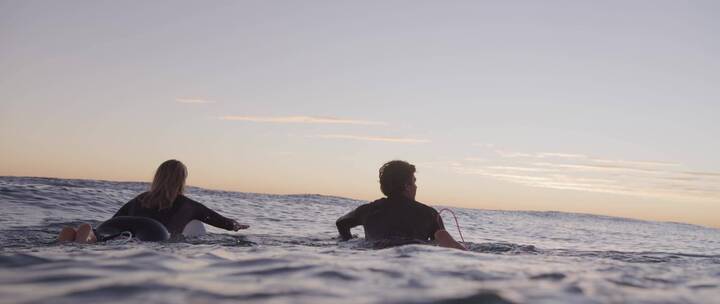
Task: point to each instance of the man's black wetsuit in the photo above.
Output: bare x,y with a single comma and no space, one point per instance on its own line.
176,217
392,218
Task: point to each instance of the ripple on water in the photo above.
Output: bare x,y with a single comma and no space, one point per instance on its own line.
481,297
249,262
335,275
22,260
704,286
500,248
63,278
388,273
120,291
469,274
273,271
551,276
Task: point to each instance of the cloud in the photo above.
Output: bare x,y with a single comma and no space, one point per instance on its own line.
483,145
578,172
593,167
541,155
515,154
627,187
560,155
474,159
506,154
302,120
635,163
703,174
518,169
194,100
375,138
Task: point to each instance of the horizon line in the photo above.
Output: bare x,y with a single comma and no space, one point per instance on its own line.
355,199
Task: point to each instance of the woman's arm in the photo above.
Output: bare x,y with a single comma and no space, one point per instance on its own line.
212,218
125,209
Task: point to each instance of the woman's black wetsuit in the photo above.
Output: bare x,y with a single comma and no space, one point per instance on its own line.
176,217
142,228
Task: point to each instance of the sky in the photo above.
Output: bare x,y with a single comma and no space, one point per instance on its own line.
602,107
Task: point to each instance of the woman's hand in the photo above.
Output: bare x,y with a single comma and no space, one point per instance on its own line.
237,226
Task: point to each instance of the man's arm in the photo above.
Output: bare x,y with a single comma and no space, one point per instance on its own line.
346,222
444,239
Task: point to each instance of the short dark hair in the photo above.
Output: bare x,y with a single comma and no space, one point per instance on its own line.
394,176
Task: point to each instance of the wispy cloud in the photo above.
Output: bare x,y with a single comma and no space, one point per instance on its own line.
560,155
475,159
515,154
595,167
600,162
570,171
483,145
302,120
703,174
634,163
539,155
194,100
518,169
402,140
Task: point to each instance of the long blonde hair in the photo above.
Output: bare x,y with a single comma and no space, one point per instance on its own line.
169,182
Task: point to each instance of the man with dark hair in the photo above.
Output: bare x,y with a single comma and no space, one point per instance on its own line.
398,216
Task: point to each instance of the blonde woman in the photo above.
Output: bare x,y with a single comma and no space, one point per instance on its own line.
164,203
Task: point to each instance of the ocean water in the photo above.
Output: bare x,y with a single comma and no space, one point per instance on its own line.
291,255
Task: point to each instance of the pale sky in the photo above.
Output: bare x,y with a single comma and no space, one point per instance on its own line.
603,107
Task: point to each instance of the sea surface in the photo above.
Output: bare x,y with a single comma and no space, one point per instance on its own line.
291,255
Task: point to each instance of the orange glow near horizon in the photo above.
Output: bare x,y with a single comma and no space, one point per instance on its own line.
462,195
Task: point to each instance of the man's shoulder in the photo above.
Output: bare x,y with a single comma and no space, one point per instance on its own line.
424,207
372,205
368,208
377,201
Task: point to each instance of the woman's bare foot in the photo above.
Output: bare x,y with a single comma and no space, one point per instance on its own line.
67,234
85,234
444,239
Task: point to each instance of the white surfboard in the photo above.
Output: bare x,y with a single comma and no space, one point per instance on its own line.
194,228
